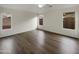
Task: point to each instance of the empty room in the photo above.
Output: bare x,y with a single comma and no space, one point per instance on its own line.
39,29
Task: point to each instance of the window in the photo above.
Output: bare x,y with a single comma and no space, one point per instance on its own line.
69,20
40,21
6,22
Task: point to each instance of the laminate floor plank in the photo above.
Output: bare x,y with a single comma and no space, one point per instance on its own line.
38,42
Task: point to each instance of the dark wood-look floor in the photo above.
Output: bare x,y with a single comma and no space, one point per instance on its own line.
38,42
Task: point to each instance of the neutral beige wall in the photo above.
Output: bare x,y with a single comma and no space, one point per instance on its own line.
22,21
53,22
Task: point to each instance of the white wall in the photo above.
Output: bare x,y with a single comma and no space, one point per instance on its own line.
22,21
77,9
53,22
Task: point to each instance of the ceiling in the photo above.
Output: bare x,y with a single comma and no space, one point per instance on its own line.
34,7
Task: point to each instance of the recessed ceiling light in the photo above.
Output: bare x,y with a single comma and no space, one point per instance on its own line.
40,5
